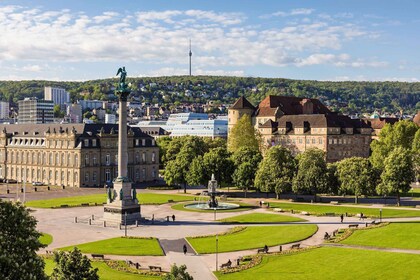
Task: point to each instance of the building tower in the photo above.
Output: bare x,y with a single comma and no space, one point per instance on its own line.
190,54
122,204
241,107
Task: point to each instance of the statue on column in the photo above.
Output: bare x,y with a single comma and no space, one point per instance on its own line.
123,74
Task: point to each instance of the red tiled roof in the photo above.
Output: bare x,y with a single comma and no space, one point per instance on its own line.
242,103
289,105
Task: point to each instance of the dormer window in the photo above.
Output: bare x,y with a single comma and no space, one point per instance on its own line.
86,142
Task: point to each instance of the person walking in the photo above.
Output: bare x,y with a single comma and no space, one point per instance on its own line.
342,217
173,218
184,249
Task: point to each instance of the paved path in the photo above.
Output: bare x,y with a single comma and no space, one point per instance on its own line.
60,224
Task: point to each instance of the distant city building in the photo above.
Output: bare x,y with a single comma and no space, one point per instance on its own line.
74,155
74,113
91,104
58,95
4,110
110,118
32,110
201,128
302,123
182,124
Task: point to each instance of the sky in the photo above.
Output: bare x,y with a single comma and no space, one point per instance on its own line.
313,40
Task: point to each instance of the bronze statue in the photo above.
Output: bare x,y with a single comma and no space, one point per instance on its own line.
123,74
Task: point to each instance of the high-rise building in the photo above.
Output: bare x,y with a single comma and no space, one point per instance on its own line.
57,95
74,113
32,110
4,110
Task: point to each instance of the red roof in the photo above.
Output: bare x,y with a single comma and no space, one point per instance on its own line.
242,103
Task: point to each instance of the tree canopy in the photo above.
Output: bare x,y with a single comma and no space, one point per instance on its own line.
19,243
73,266
276,171
243,134
312,176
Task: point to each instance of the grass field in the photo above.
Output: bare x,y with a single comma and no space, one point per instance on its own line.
252,237
144,198
243,207
316,209
105,272
332,263
121,246
46,238
261,218
394,235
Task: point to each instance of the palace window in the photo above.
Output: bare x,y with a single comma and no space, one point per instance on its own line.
86,142
107,175
86,176
137,158
153,157
143,157
86,160
93,142
94,176
108,159
94,159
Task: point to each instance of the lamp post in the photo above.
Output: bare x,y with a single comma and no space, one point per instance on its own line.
125,223
215,209
380,215
217,251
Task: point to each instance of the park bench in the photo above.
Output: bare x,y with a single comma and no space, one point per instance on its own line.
228,264
153,267
354,226
304,213
278,210
130,263
262,250
295,246
335,202
98,256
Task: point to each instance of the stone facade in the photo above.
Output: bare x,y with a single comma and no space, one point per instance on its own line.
74,155
302,123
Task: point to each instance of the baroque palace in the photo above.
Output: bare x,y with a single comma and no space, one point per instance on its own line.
303,123
74,155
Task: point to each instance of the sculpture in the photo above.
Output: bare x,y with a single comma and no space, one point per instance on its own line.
122,85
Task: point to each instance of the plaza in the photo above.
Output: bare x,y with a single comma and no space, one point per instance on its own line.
60,223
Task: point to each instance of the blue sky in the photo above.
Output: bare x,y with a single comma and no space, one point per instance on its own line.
313,40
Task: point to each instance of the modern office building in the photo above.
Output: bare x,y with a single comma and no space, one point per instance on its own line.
91,104
58,95
4,110
203,128
303,123
74,155
32,110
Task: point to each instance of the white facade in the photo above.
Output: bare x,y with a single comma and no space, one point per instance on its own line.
74,112
57,95
91,104
202,128
4,110
110,118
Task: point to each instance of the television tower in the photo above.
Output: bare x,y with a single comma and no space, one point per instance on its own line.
190,54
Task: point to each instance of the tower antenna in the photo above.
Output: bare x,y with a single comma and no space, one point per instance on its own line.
190,54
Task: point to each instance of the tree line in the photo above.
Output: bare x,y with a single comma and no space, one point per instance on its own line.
345,97
392,167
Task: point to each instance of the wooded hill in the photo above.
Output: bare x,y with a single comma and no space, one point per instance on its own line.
346,97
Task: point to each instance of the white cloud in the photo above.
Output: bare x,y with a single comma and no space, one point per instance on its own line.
171,71
161,38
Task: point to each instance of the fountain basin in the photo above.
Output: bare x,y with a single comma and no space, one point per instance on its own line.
205,206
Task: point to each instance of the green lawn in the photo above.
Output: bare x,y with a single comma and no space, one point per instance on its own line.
253,237
243,207
105,272
46,239
261,218
121,246
332,263
144,198
394,235
317,209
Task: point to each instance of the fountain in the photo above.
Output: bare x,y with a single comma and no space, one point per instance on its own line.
212,203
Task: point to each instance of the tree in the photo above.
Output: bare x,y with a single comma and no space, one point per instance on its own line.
178,273
163,144
332,177
243,134
19,242
416,154
312,173
401,134
398,174
246,162
57,111
176,169
276,171
356,175
217,161
73,266
196,175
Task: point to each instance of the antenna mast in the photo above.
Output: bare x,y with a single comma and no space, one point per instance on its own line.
190,54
